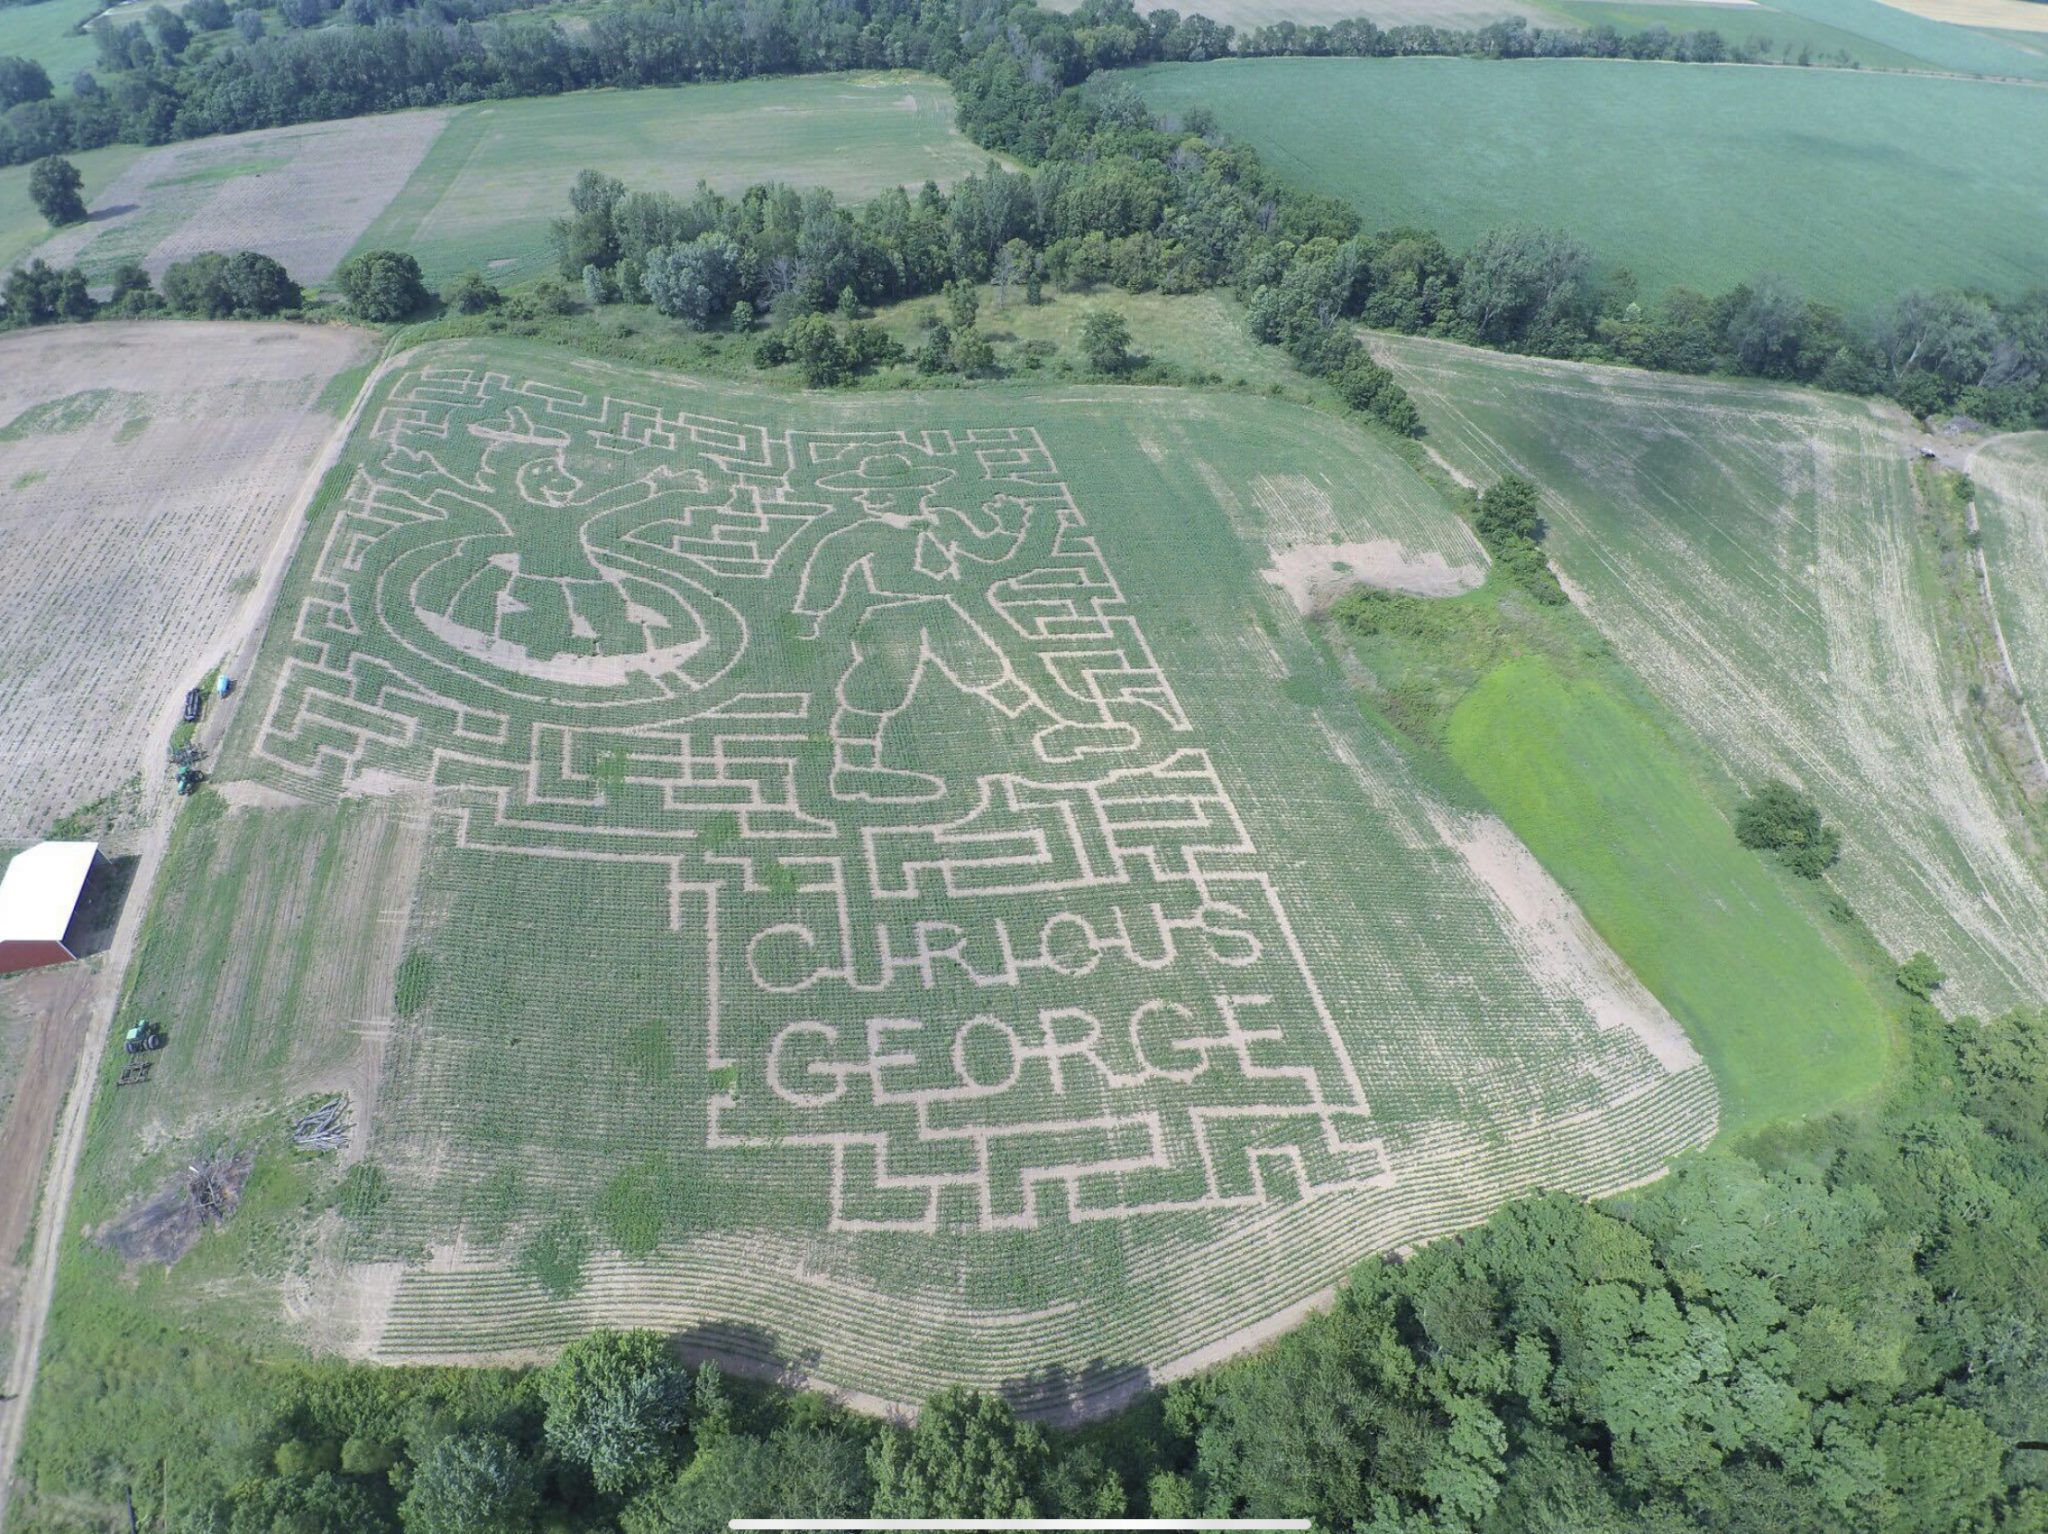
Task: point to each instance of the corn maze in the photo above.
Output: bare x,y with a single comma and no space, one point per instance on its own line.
849,940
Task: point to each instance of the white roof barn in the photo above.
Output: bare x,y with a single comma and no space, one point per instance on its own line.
39,897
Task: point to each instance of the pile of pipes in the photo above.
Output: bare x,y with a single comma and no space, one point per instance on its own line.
324,1129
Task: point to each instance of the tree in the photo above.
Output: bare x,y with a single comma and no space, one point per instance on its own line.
258,285
1106,341
382,285
198,285
1920,976
172,35
132,293
1779,818
968,1457
1509,521
973,354
796,1473
696,283
616,1404
41,294
215,286
471,1483
1517,279
471,293
53,186
589,237
814,346
963,304
22,80
1767,327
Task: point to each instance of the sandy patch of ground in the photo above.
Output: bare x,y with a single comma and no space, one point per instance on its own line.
1316,574
1555,939
134,523
241,794
303,195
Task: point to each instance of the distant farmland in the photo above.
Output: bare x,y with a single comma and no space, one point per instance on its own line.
1753,554
885,883
476,187
485,193
1854,185
44,32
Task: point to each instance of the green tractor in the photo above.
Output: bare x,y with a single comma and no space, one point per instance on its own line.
143,1038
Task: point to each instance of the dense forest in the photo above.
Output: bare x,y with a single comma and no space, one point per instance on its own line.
1842,1326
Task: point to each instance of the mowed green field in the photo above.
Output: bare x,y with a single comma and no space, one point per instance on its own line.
46,32
880,881
1754,554
483,197
1617,810
1853,185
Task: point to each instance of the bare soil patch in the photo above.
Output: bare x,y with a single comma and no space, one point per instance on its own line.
130,519
52,1008
303,195
1316,574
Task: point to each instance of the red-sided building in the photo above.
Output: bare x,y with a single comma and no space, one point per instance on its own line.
39,896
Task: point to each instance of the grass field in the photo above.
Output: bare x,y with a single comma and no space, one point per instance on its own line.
2011,474
1853,185
484,195
22,228
1615,809
1043,971
1755,555
45,32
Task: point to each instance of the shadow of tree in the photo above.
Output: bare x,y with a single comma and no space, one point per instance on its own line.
1062,1396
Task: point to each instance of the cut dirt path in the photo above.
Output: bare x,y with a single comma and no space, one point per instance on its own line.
52,1005
239,640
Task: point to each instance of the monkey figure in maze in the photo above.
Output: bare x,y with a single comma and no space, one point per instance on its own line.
902,577
557,597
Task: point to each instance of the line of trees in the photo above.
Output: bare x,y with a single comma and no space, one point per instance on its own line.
244,284
1517,38
1844,1327
343,58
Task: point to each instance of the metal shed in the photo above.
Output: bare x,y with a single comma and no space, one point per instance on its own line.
39,896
